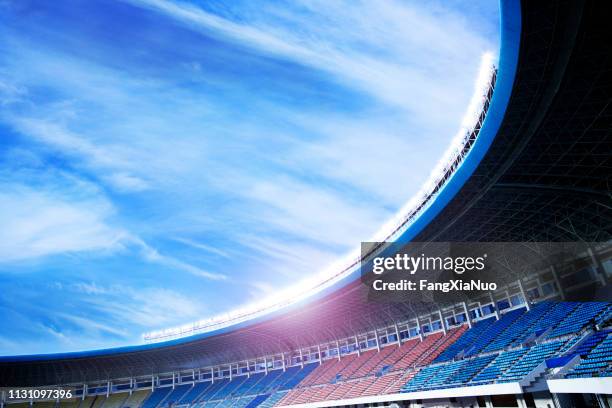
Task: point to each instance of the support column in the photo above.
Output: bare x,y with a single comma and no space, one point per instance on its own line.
419,328
230,371
212,374
557,282
302,358
338,348
378,342
527,305
108,387
320,356
521,401
284,363
357,345
599,269
494,304
397,335
131,385
173,380
442,322
467,315
266,365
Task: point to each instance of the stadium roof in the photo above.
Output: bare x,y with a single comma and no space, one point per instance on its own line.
539,170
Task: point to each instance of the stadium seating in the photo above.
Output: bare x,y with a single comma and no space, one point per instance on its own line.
136,399
468,371
157,397
582,315
597,362
193,393
494,330
115,400
272,400
530,360
492,351
521,328
175,395
500,364
466,340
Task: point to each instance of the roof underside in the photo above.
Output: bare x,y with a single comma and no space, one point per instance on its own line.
546,177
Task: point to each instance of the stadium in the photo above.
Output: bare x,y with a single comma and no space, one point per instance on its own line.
535,168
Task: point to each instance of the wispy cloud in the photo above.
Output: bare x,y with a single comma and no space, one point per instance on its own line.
204,247
229,151
153,255
369,45
39,222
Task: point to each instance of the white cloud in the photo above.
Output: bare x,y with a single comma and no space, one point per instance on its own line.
67,216
385,48
204,247
143,306
153,255
46,222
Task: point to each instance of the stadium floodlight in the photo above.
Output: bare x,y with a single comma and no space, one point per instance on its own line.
392,229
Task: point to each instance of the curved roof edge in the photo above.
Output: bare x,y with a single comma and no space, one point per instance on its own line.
510,28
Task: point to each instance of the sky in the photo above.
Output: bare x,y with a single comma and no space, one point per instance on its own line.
165,161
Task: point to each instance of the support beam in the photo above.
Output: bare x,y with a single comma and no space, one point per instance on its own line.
599,269
557,282
301,358
377,342
522,289
442,322
397,335
520,401
467,315
419,328
494,304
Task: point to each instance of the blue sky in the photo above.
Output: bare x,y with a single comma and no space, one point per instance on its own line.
165,161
